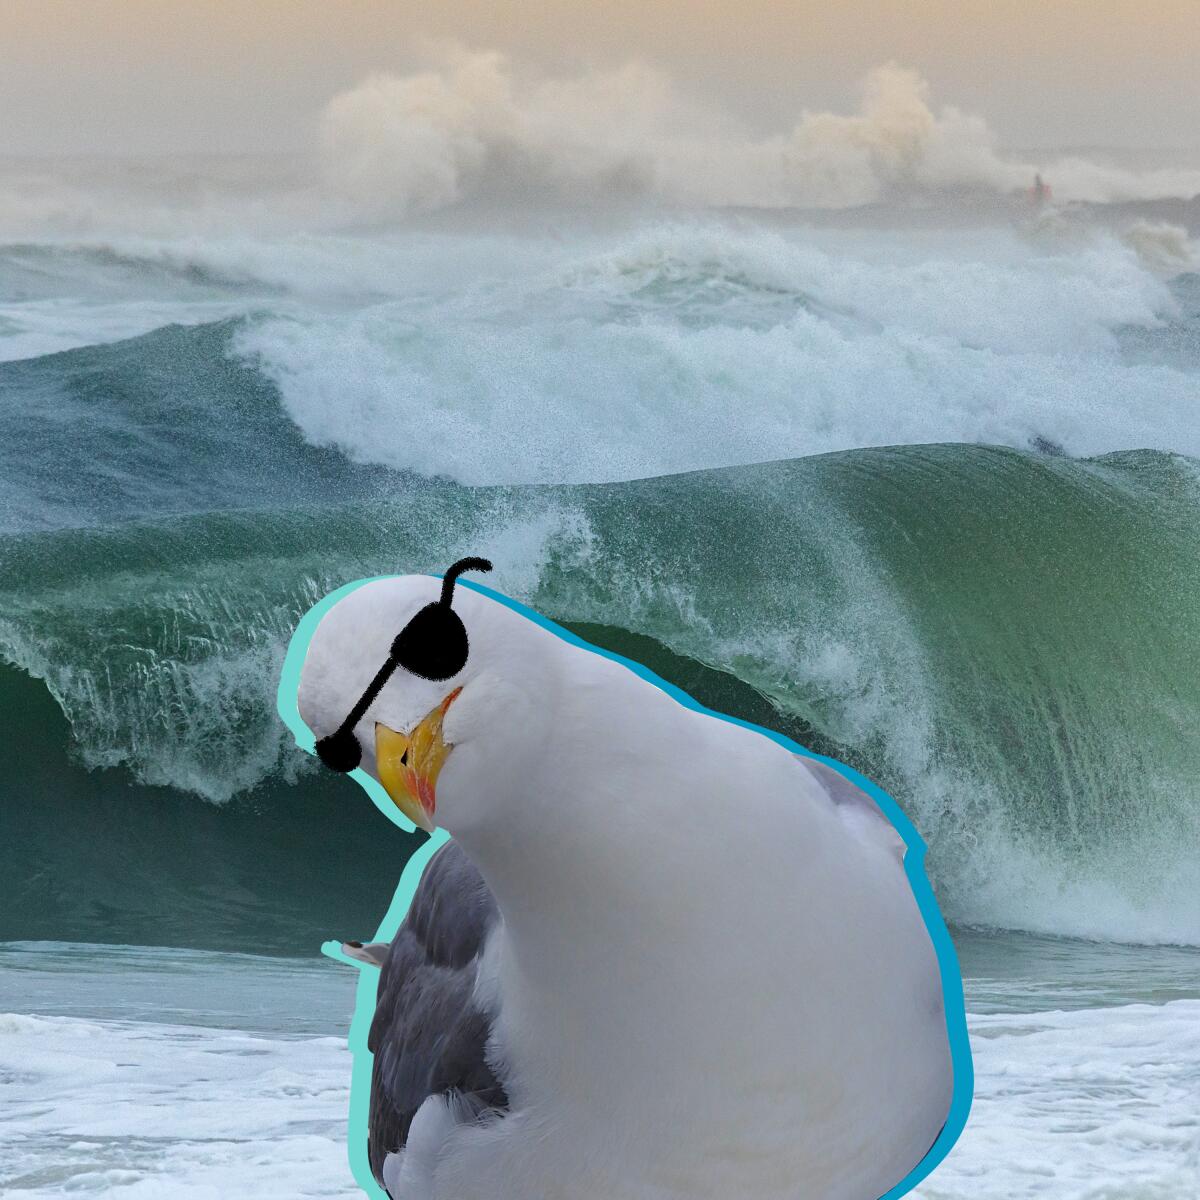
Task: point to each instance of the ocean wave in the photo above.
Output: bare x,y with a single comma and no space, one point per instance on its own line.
674,346
681,348
261,268
61,294
161,424
39,269
955,621
472,134
58,296
471,127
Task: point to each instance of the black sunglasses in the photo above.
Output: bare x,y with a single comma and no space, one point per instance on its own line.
432,645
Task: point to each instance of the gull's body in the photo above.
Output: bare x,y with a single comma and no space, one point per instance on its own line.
687,963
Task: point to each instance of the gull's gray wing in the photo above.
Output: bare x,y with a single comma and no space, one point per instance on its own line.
429,1035
852,801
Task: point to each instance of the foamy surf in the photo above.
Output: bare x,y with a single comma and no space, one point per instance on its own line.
157,1110
688,348
664,347
211,1075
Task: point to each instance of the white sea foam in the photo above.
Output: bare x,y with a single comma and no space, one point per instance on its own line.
50,327
667,347
170,1110
682,347
1143,889
1098,1104
470,125
1093,1104
472,129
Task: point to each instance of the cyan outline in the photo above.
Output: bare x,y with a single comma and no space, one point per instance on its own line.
364,1007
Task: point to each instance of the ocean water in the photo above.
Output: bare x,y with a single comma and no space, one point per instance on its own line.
918,486
164,1072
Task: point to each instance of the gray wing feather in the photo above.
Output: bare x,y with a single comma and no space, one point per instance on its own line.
850,798
840,790
429,1036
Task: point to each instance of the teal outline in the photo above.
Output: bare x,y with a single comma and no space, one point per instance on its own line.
364,1008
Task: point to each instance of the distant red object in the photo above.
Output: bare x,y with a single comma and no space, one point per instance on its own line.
1040,192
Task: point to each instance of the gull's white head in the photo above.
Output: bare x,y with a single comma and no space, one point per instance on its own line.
453,750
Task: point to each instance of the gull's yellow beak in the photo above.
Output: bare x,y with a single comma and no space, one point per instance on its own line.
409,764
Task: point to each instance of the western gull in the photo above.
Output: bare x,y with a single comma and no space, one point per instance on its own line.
663,957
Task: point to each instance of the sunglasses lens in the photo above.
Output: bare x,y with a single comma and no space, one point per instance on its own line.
433,644
340,751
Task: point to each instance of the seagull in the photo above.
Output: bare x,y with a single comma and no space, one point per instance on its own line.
663,956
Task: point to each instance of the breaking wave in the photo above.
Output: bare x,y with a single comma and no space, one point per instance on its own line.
470,127
998,637
1000,631
681,347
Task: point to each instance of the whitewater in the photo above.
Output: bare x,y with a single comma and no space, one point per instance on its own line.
833,428
650,351
246,1093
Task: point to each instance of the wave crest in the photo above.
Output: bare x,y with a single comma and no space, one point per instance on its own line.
954,621
471,127
685,347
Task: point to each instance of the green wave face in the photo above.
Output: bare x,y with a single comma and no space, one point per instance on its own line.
1005,641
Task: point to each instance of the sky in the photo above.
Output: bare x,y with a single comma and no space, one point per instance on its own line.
233,76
